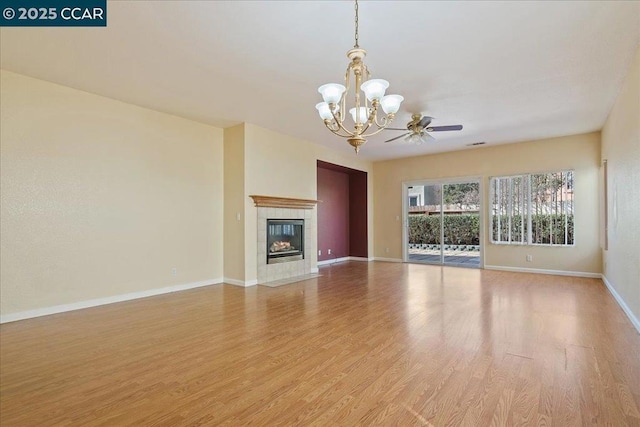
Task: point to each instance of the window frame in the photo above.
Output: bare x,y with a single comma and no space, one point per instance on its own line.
527,208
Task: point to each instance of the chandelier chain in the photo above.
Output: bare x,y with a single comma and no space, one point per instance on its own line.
356,7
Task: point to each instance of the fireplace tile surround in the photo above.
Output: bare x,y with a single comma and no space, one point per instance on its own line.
270,207
285,270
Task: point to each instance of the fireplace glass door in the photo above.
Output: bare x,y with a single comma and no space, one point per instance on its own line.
285,240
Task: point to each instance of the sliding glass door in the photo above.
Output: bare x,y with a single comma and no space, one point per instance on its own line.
442,223
424,218
461,225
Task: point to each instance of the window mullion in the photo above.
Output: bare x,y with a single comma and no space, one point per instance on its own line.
528,207
499,200
565,190
522,213
509,207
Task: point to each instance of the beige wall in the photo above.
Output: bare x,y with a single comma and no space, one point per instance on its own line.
282,165
101,198
578,152
621,149
234,203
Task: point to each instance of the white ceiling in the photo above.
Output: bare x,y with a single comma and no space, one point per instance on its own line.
507,71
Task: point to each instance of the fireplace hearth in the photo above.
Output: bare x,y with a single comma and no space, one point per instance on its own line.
285,240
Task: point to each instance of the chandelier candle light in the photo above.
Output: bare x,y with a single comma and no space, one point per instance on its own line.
364,113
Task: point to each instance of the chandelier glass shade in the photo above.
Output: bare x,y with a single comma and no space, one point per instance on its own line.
370,113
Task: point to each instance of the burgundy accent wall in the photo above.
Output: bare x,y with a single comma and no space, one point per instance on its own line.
358,215
333,214
342,212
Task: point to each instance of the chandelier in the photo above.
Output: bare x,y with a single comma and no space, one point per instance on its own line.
365,111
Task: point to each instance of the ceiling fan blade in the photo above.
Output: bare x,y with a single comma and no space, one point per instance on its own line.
404,129
443,128
424,121
398,137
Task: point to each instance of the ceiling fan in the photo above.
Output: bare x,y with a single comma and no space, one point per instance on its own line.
418,129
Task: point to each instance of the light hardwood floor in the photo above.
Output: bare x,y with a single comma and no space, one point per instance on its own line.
365,344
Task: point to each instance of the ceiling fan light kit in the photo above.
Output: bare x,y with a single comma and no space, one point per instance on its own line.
365,111
419,139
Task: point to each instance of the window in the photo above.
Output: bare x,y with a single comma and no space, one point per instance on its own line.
509,219
533,209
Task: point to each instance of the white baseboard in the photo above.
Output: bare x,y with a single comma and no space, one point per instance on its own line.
343,259
541,271
234,282
387,259
634,320
333,261
45,311
241,283
358,258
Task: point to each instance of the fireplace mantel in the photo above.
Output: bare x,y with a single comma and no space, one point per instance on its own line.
283,202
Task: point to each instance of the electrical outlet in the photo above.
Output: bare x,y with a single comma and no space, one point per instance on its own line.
174,272
329,252
386,250
238,216
529,258
319,253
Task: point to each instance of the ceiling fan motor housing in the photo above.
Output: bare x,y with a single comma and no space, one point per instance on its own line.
414,124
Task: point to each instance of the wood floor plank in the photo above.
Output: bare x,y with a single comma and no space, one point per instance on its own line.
363,344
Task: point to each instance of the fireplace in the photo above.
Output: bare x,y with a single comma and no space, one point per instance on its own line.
285,240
